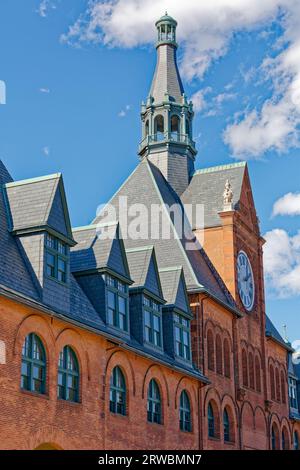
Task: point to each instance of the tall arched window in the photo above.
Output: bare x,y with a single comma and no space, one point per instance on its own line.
159,127
226,348
296,441
284,439
226,425
187,127
211,421
272,382
275,437
219,355
185,412
68,375
277,384
257,374
251,371
33,371
210,350
154,403
147,128
283,387
245,368
117,392
175,127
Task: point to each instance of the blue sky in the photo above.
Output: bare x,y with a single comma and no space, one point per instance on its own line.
73,103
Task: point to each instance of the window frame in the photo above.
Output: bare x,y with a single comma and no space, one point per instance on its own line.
226,426
211,421
58,256
153,312
185,412
178,324
30,362
116,389
293,399
112,285
154,415
66,372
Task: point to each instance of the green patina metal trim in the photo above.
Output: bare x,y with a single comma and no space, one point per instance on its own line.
33,180
213,169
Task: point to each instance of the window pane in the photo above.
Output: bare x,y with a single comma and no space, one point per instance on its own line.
50,265
111,300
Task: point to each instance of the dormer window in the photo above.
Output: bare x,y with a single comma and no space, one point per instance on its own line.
117,303
56,258
152,322
182,337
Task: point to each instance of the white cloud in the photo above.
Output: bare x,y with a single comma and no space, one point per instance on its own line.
2,92
206,31
44,90
124,111
289,204
282,263
46,151
44,7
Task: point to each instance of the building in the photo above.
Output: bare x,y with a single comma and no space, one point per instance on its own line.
113,342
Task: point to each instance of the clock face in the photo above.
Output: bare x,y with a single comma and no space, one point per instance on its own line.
245,280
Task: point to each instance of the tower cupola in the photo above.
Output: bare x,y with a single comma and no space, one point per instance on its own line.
167,116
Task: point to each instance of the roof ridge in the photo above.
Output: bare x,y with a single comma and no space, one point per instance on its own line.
139,248
213,169
171,268
33,180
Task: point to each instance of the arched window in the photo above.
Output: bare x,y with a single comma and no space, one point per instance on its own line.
272,382
226,358
175,127
154,403
68,375
251,371
284,439
33,371
210,350
117,392
159,127
296,441
147,128
257,374
283,387
245,368
277,385
219,354
187,127
185,412
226,425
275,437
211,421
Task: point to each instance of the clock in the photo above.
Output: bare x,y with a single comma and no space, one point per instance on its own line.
245,280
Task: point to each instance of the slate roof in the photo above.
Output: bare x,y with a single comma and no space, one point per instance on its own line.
155,191
14,268
143,269
272,332
37,203
166,76
207,187
98,247
174,288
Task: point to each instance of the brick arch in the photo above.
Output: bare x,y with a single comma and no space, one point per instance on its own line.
72,338
119,358
248,426
209,324
219,352
212,397
229,404
160,377
184,384
51,435
261,426
37,324
257,370
275,421
286,425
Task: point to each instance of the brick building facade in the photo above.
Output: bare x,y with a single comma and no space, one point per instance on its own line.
111,342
